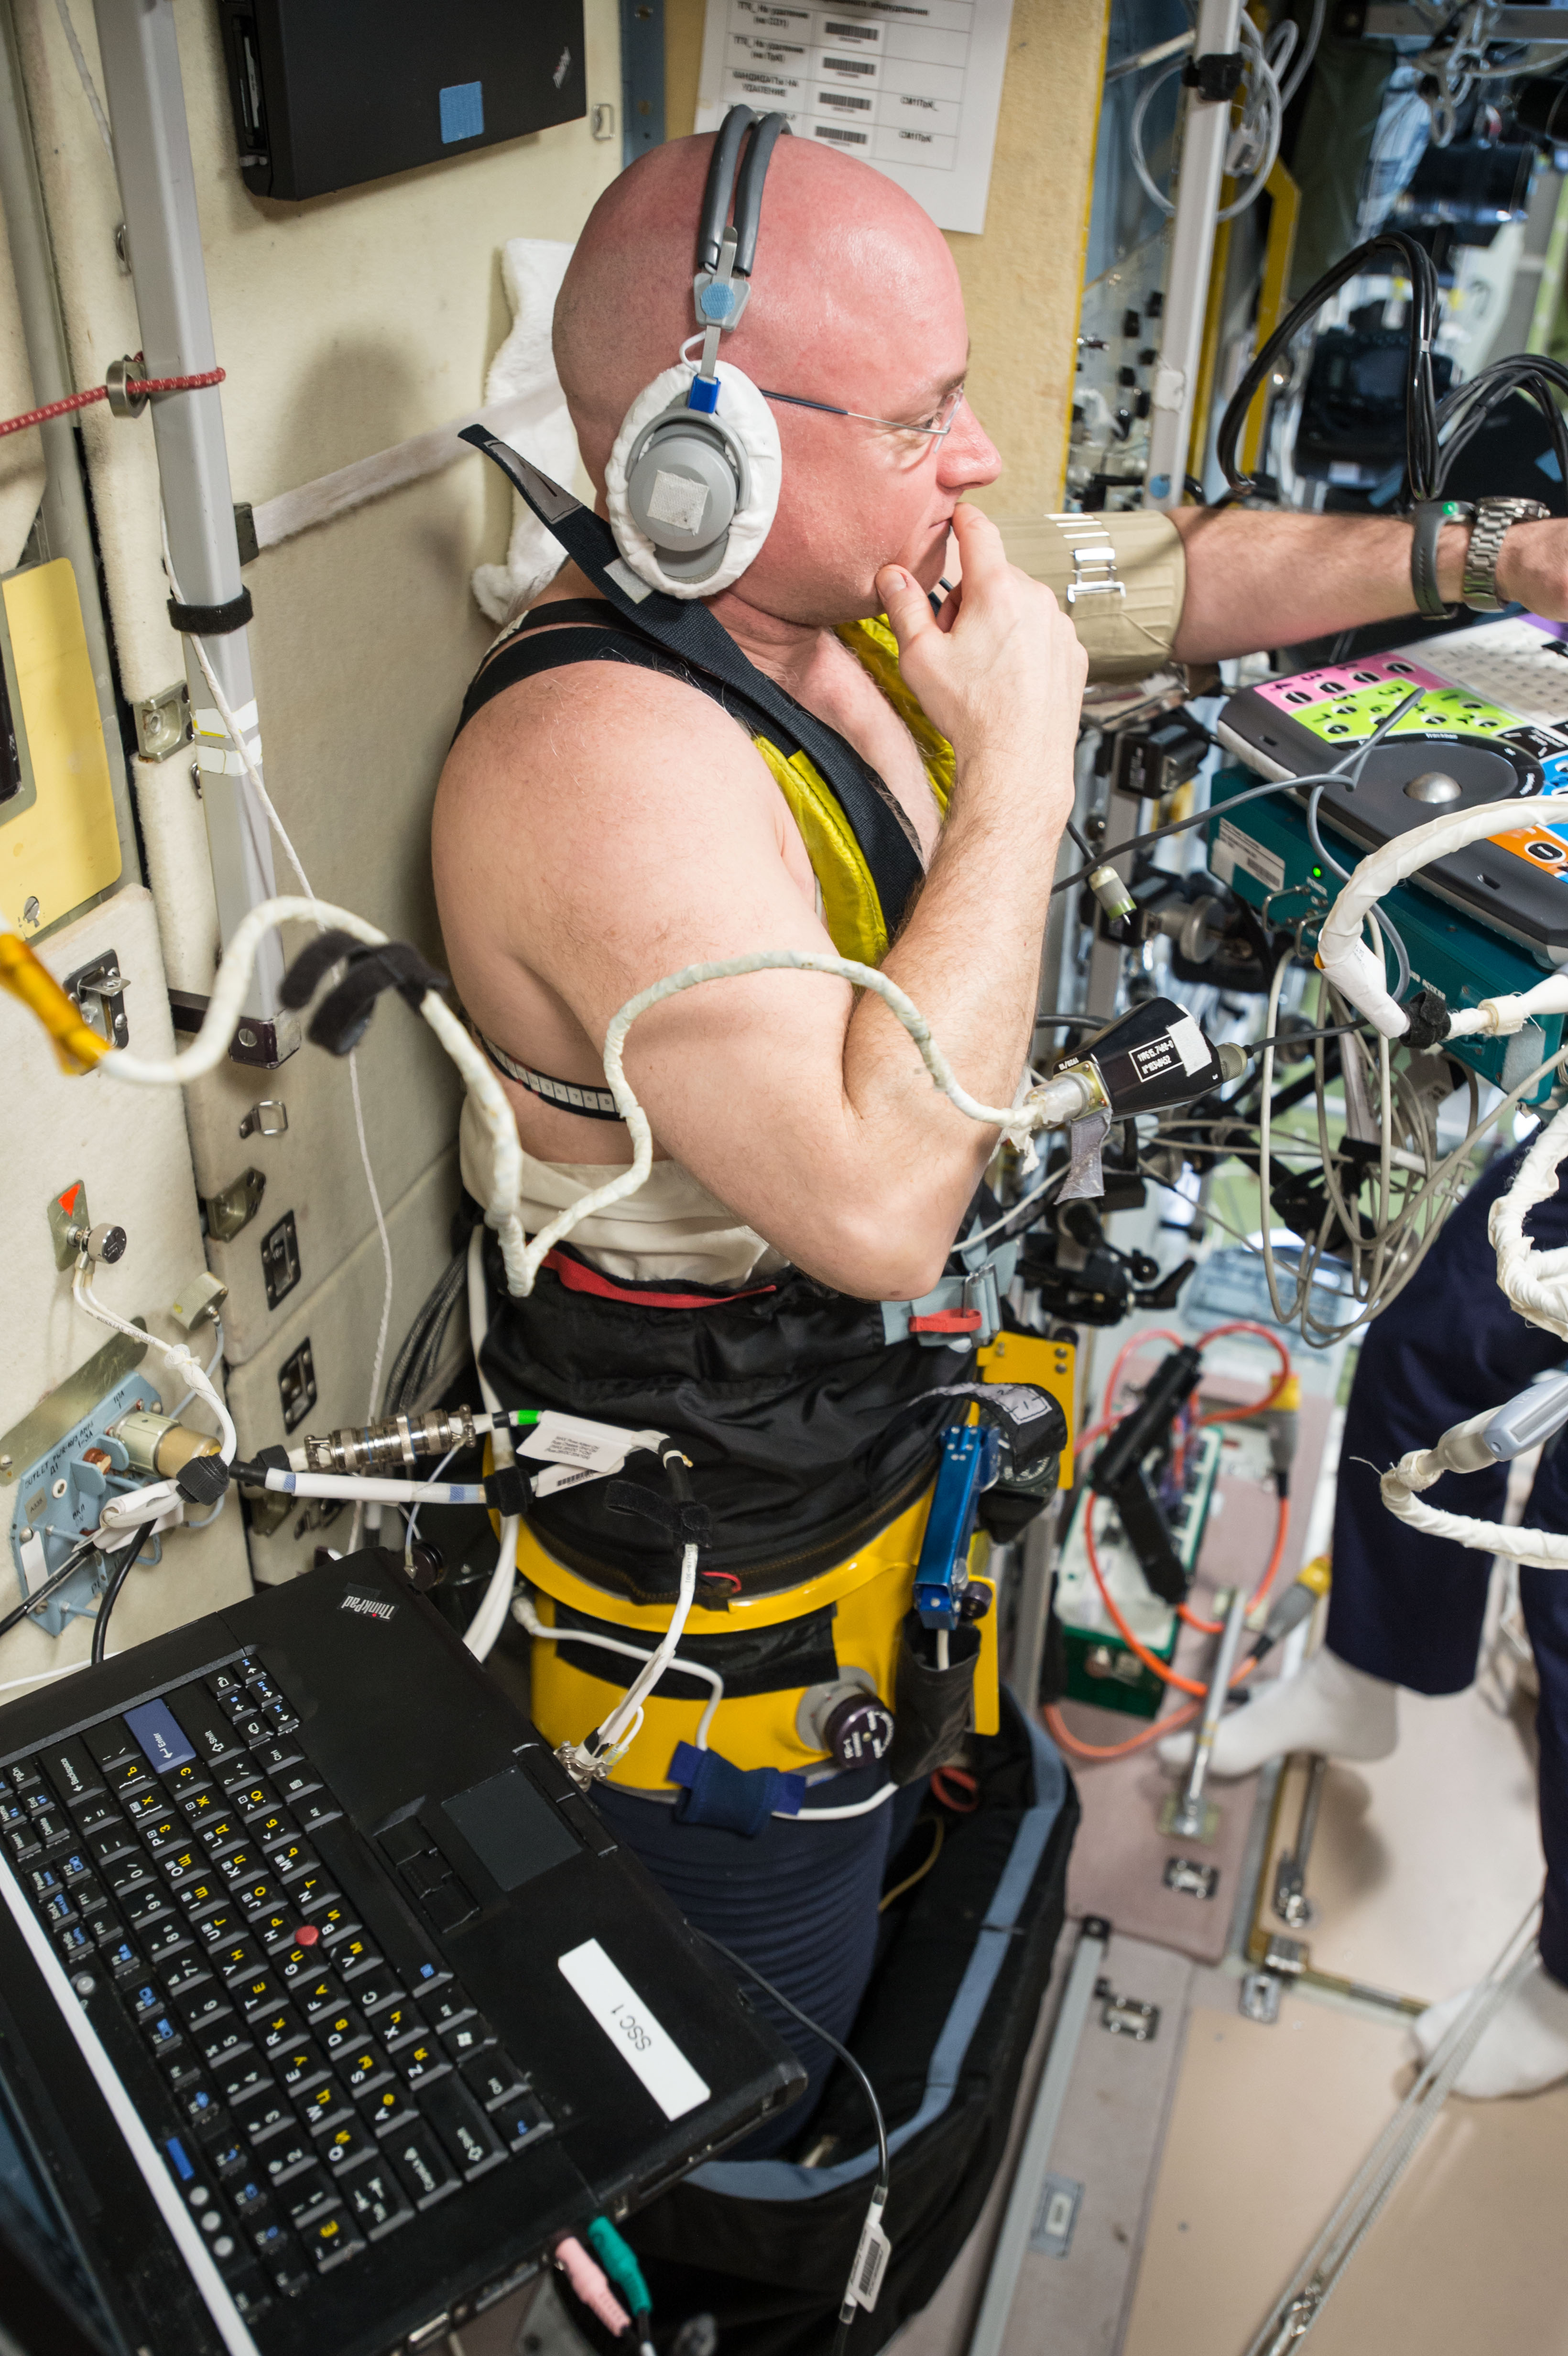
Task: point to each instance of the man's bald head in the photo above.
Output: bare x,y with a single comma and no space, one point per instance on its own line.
844,262
855,303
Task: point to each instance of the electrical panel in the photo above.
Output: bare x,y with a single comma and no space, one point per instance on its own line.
330,93
59,846
60,1464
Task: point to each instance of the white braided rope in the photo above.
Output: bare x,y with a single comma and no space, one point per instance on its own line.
1533,1281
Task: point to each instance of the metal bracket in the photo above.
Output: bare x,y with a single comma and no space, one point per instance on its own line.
231,1211
1126,2016
268,1118
69,1217
1191,1879
642,78
1260,1993
296,1385
163,722
99,992
281,1260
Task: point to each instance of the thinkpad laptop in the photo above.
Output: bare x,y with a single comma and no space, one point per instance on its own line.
327,2003
1490,724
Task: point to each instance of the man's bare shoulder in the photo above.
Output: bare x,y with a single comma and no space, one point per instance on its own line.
592,735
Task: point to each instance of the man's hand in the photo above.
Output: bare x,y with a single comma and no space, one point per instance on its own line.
1532,568
1000,670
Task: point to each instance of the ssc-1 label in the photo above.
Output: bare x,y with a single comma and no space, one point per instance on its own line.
640,2040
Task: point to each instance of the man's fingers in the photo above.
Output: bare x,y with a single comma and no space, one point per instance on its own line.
979,545
906,605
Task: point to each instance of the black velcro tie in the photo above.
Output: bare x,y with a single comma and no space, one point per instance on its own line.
202,1481
312,965
344,1016
686,1523
1215,75
506,1490
212,621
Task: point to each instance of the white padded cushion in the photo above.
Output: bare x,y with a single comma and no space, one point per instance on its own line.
751,421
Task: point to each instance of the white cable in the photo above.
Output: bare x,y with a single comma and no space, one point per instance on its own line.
491,1617
236,735
177,1411
372,1488
617,1731
527,1617
182,1362
831,1816
84,75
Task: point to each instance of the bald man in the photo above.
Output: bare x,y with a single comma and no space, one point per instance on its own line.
608,815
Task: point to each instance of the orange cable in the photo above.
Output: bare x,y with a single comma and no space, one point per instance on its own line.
1066,1740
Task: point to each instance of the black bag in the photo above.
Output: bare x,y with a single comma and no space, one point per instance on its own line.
943,2034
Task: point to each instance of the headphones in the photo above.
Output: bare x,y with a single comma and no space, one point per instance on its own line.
693,480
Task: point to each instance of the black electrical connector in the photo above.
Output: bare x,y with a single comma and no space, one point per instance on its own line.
1119,1471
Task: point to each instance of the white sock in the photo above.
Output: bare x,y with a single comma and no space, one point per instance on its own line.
1523,2048
1327,1707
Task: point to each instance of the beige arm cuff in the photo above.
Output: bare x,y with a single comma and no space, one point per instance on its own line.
1123,579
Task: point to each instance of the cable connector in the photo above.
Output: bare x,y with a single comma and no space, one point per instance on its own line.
1284,1422
1111,891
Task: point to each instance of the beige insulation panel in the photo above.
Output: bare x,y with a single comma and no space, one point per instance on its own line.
1023,276
344,324
128,1147
331,1325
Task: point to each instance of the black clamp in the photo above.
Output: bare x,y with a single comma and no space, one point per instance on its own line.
506,1490
1428,1013
680,1519
343,1017
1216,75
212,621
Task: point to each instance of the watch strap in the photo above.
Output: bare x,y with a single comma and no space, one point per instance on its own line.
1429,515
1494,518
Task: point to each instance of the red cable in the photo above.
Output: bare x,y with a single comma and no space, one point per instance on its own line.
100,392
1149,1333
1258,1406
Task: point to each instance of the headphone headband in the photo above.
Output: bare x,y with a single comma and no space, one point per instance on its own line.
764,131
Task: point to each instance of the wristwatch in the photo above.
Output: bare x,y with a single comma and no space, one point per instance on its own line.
1478,589
1429,515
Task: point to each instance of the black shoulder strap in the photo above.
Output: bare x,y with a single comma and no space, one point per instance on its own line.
687,630
525,657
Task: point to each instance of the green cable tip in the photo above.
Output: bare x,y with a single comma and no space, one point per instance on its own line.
524,1415
619,2261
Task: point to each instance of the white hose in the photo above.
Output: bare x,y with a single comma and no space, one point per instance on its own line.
617,1731
1533,1281
1344,955
1053,1104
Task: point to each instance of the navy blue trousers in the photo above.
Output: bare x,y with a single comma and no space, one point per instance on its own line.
1409,1607
799,1903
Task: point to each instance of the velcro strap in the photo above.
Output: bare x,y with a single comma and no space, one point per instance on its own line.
342,1019
312,965
212,621
506,1490
687,1523
947,1321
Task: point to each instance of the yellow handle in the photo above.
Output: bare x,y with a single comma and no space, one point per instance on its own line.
77,1045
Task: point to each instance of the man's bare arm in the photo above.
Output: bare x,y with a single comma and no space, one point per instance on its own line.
1257,580
614,828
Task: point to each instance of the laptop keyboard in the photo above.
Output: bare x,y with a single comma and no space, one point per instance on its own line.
318,2091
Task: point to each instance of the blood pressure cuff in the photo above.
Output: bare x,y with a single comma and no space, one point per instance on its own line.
1122,578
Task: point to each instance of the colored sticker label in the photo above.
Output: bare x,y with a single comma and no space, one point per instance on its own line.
1345,702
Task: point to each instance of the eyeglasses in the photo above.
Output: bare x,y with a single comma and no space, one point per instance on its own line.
943,418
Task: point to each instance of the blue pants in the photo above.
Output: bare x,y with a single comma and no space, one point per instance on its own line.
1409,1607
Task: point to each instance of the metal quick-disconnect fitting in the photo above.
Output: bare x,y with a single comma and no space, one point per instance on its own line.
396,1439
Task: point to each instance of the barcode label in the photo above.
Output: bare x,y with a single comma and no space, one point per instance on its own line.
843,98
850,65
842,138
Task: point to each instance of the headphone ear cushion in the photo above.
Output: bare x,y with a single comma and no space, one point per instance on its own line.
748,417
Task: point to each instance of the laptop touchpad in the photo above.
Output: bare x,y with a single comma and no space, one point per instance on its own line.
511,1828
